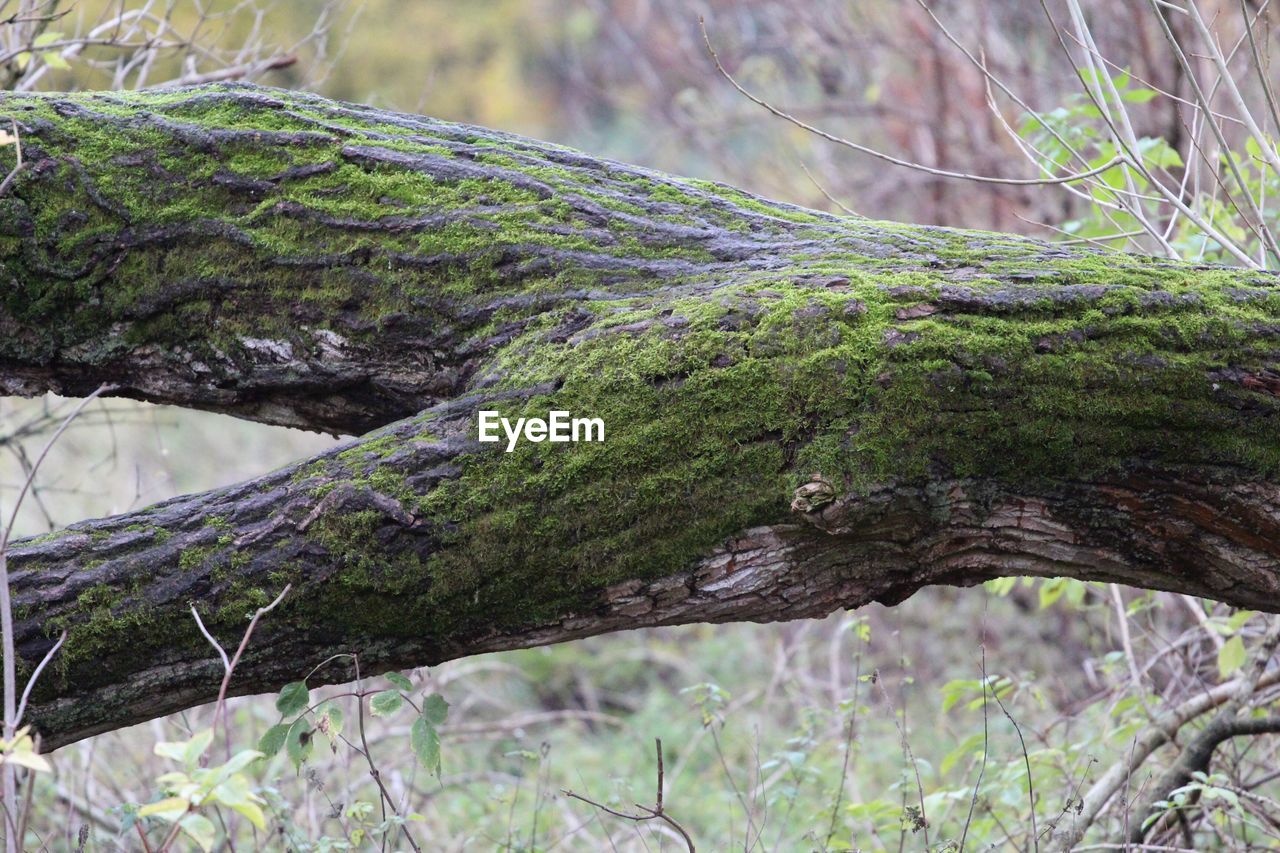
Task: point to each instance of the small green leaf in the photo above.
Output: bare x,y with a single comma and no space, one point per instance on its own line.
953,692
329,723
174,781
196,747
1164,157
435,709
273,740
1001,586
232,791
29,759
170,749
1138,96
1225,794
55,60
399,681
1239,618
21,750
298,742
45,39
1231,656
386,703
186,751
253,813
293,698
201,830
1051,590
425,741
170,808
969,748
236,763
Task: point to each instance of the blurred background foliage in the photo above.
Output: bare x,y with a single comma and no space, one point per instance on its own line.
632,81
874,730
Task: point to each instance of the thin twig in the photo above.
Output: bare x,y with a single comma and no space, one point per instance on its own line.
18,166
829,197
889,158
657,812
1145,743
228,666
910,755
848,748
39,460
982,768
373,768
1031,791
234,72
35,676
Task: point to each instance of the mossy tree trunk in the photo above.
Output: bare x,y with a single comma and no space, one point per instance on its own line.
974,405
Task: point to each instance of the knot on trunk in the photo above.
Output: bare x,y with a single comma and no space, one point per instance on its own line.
813,495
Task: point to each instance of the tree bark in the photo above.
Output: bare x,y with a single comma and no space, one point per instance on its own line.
802,412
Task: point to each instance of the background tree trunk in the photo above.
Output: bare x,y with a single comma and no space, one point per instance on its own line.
803,412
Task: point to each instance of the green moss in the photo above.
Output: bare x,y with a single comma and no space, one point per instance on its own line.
51,536
746,201
103,616
192,559
711,423
726,370
263,208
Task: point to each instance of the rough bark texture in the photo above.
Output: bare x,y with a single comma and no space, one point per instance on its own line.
803,412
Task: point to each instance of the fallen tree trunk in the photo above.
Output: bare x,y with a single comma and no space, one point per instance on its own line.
802,412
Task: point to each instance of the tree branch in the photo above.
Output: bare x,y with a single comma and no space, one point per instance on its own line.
935,406
1226,724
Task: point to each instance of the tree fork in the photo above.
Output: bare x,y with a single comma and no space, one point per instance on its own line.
803,412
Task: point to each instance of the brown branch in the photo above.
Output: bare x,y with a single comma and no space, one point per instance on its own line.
18,166
657,812
338,267
232,72
1163,730
230,665
374,773
889,158
1198,753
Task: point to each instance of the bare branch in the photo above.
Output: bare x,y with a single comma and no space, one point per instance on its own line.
656,812
889,158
